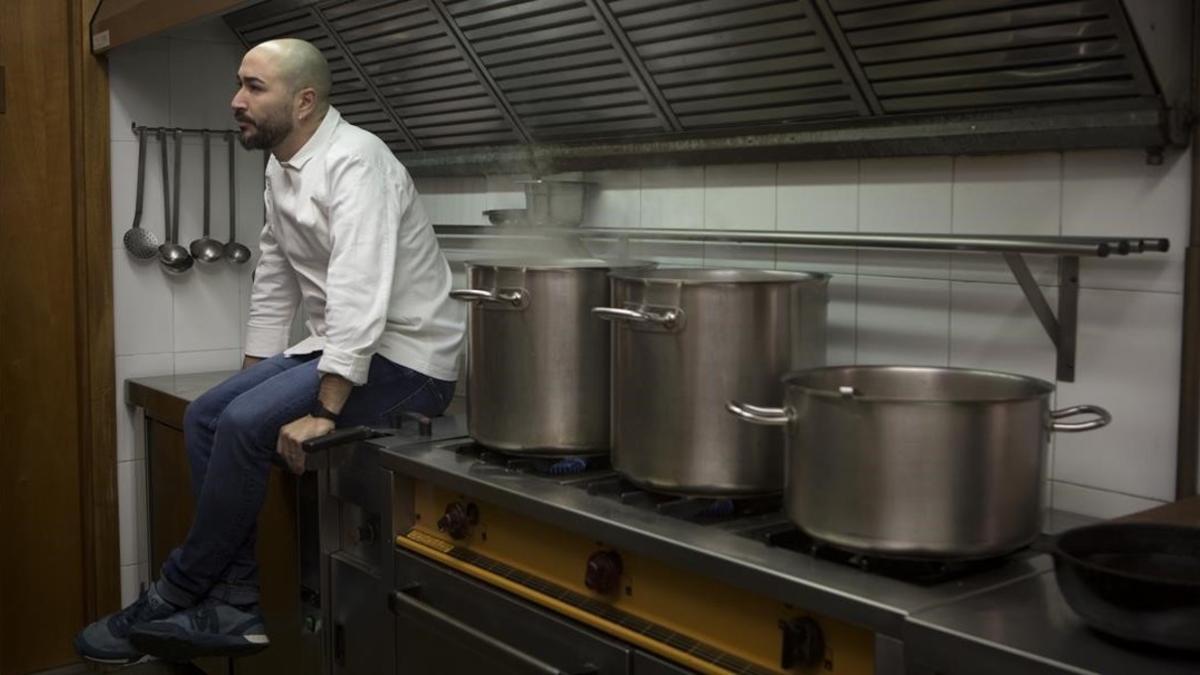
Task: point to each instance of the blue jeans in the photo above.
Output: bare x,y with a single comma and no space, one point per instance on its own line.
231,431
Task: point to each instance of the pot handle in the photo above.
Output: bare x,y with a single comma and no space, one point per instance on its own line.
668,319
1101,419
516,297
755,414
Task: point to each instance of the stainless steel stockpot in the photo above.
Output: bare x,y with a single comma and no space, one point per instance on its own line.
917,461
537,361
687,340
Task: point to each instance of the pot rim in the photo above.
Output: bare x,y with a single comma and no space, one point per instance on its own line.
553,181
553,263
696,276
1041,388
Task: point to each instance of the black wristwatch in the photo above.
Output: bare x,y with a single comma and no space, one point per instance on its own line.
319,410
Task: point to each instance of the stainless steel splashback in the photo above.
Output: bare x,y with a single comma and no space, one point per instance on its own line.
464,85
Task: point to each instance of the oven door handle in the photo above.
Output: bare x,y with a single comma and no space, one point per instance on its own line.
404,602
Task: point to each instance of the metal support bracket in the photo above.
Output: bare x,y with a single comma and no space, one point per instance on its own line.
1062,328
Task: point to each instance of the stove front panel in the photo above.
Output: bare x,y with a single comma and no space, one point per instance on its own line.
683,617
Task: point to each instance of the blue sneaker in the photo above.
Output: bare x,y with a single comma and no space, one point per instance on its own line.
107,640
212,628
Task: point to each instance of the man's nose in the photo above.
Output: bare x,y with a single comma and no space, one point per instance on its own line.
237,104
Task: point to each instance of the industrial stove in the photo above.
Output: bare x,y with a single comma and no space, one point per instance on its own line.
440,556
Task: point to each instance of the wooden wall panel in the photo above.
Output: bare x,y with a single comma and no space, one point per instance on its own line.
56,404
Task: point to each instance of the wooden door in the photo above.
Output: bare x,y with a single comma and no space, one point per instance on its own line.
57,488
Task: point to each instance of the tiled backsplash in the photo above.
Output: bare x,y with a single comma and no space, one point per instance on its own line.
886,306
956,309
193,322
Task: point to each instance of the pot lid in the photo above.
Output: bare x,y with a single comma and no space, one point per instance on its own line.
710,275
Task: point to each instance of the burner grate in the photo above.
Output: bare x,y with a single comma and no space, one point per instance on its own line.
695,509
566,468
922,571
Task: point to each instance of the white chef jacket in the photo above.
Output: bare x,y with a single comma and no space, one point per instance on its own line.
347,237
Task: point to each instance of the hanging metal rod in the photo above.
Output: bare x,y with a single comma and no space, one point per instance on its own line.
169,130
1073,246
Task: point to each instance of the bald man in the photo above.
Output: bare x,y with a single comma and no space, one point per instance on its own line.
347,239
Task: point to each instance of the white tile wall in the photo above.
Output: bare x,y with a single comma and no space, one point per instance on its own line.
905,195
818,196
1013,194
964,309
1128,363
457,200
903,321
1115,192
193,322
673,197
1098,503
138,365
739,197
613,199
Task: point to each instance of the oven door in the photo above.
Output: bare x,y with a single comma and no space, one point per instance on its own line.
449,623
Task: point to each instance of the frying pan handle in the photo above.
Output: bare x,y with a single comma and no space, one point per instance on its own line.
339,437
517,297
1101,419
775,417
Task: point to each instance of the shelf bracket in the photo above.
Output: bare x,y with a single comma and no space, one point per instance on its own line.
1062,328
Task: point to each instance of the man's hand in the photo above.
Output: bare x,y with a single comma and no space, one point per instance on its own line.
296,432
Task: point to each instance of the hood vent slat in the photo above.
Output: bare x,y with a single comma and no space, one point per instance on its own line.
446,76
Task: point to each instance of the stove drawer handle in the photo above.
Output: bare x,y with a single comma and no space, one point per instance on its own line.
755,414
403,602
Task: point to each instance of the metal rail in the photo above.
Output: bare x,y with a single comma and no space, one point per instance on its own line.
1073,246
1062,329
169,130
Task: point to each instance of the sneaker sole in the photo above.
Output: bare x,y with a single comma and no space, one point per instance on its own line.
146,658
173,647
116,661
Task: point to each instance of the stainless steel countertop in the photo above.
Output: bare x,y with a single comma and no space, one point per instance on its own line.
1025,627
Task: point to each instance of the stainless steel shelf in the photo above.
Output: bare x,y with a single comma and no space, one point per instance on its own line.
1061,327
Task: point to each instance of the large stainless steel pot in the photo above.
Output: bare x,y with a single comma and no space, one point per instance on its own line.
917,461
537,378
686,341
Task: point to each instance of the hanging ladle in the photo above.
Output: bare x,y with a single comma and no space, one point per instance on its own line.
174,258
234,251
140,243
206,249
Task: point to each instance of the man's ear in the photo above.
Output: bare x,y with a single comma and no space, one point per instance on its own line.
306,103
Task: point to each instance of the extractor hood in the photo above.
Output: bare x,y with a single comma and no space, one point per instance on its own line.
466,86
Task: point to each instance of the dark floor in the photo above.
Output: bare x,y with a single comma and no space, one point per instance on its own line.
205,667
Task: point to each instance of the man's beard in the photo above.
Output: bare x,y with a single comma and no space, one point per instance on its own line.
267,132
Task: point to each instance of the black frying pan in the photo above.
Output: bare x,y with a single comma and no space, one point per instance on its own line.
1135,581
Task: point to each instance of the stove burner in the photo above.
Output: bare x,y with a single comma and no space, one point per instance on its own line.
922,571
566,466
552,466
694,509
